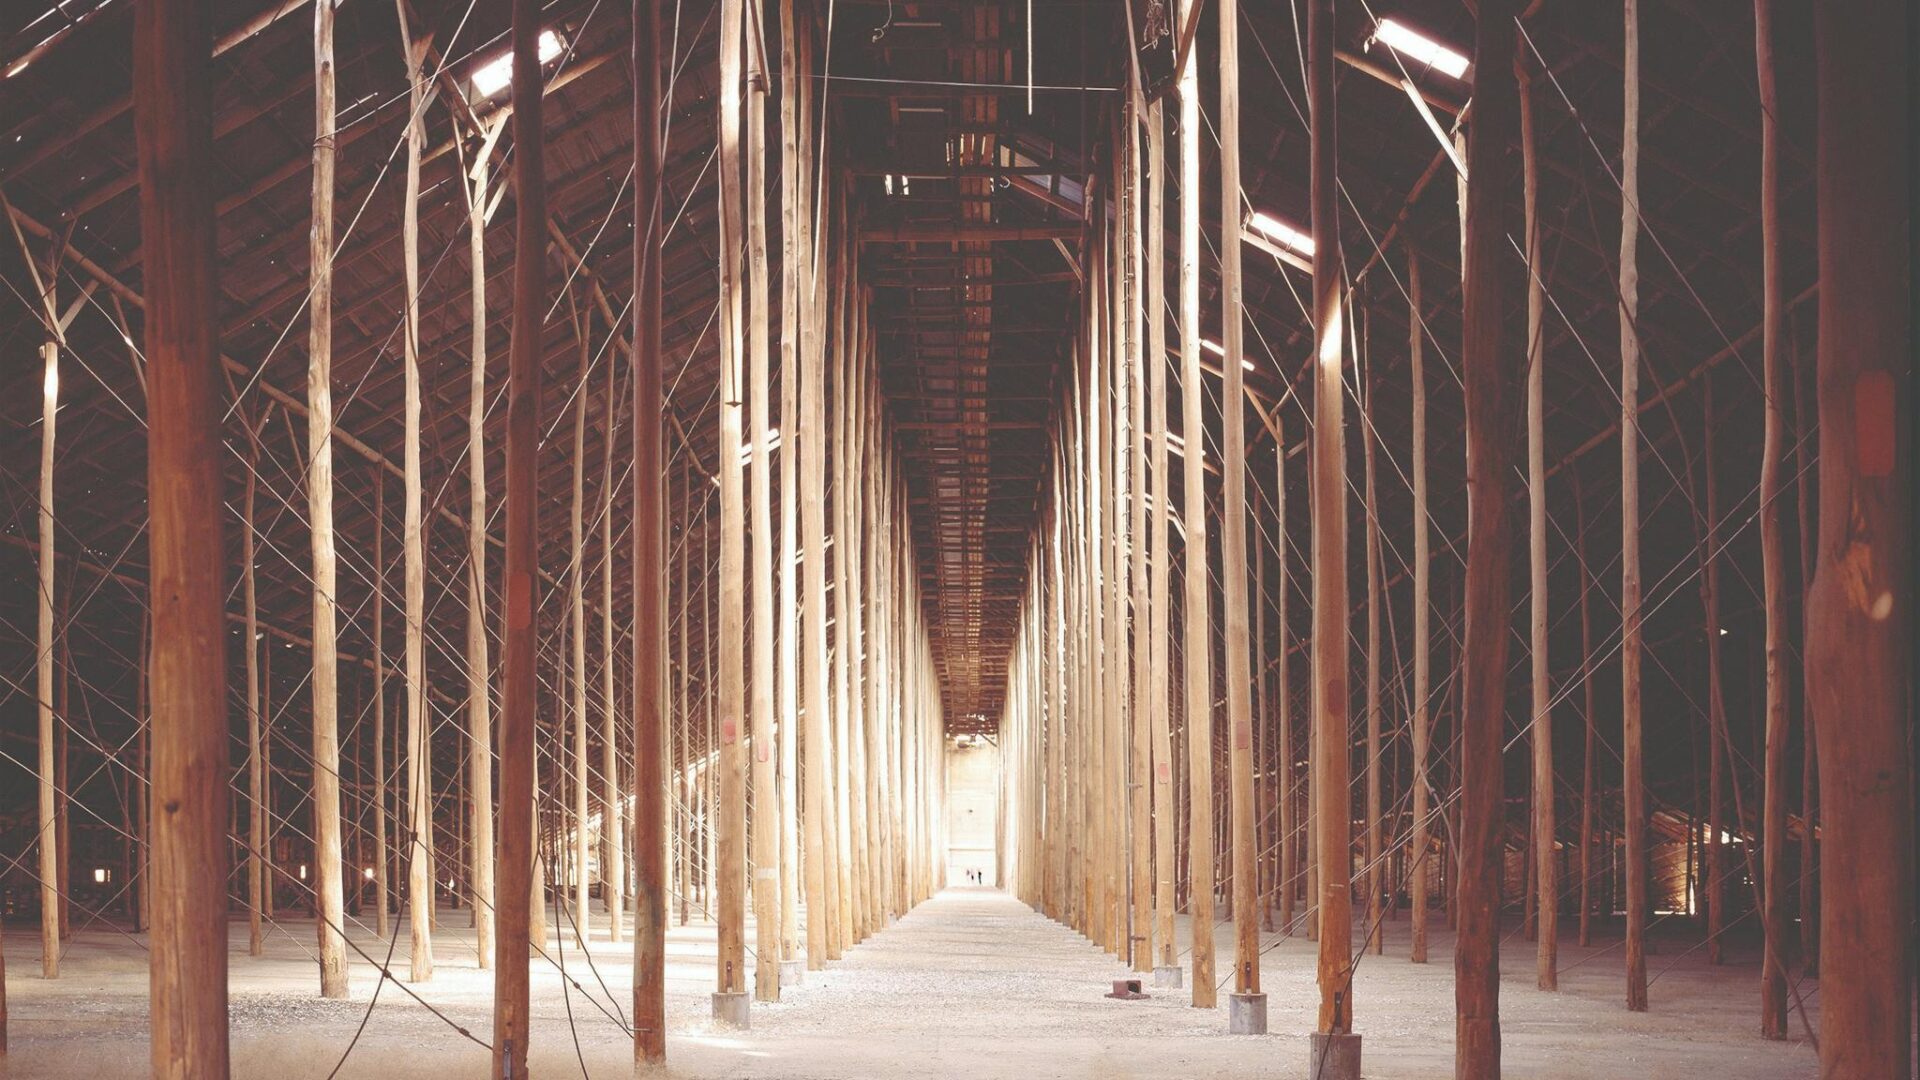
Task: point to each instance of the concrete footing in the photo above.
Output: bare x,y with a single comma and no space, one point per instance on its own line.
1168,977
1334,1056
792,972
734,1010
1247,1014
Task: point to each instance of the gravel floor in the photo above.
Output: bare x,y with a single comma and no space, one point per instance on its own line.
970,985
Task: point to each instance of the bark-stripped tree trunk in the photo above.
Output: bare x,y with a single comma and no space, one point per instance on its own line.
1197,645
1860,615
1491,370
1166,826
173,130
1546,883
479,678
1331,767
514,855
419,725
328,885
1633,781
1422,723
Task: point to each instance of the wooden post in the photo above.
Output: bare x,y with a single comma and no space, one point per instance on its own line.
1860,622
419,725
1376,875
730,838
810,436
577,642
613,831
48,837
1330,760
1546,882
649,613
380,863
514,854
1233,536
1773,830
328,885
1633,782
173,127
1283,759
1491,369
1422,616
256,811
479,678
1140,776
766,803
1198,640
792,252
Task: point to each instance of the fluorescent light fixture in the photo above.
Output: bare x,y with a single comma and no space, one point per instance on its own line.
1282,233
1217,349
367,873
99,875
497,74
773,443
1414,45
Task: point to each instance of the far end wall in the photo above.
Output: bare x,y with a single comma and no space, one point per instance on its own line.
973,777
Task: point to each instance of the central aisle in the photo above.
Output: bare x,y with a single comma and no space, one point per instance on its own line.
975,984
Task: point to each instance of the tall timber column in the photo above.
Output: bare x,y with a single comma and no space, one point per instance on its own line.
1247,1011
730,997
514,854
792,250
1492,369
173,131
1860,613
613,828
1335,1050
1422,612
813,455
1140,752
48,844
1198,644
1166,960
256,773
479,681
1632,773
1773,831
766,803
419,725
577,647
1545,873
328,887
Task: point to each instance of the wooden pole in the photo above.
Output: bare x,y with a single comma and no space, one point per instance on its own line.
380,863
514,854
328,884
1199,683
766,803
1422,722
1546,882
1233,534
1633,782
577,640
1491,369
792,251
1155,362
1140,775
1719,748
1376,875
49,828
1860,640
479,677
1283,758
730,838
419,730
649,612
256,812
811,439
173,128
1773,831
613,830
1587,716
1331,767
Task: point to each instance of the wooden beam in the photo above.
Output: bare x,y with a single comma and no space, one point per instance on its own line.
766,802
1545,865
945,232
173,127
1633,782
476,186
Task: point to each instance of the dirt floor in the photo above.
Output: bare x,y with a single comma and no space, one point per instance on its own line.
971,985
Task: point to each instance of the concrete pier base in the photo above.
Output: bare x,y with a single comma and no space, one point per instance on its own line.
733,1009
1169,977
1246,1014
1334,1056
792,972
